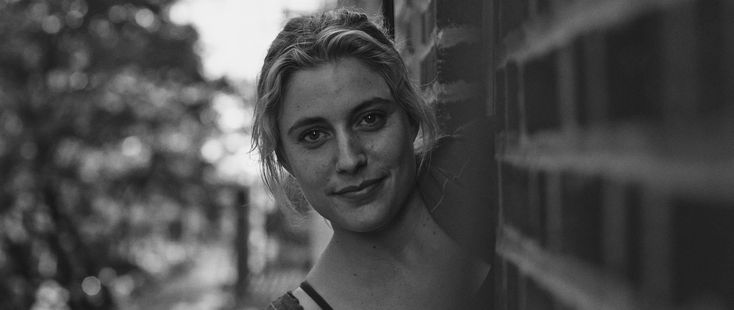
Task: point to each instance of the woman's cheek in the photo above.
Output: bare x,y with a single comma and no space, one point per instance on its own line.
313,169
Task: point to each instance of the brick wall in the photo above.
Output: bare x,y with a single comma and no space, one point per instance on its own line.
614,142
444,51
615,154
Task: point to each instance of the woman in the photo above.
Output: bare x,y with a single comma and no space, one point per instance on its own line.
338,123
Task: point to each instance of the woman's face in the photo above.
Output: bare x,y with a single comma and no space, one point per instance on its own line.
348,144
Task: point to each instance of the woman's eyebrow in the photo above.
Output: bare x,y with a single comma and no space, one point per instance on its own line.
371,102
305,122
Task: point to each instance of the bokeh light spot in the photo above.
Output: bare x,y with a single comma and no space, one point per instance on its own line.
51,24
132,146
212,150
145,18
91,286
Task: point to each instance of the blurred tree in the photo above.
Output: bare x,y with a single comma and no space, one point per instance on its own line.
103,112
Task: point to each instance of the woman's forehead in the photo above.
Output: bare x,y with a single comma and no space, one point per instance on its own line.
340,84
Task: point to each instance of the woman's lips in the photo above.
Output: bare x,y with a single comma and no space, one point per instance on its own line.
359,191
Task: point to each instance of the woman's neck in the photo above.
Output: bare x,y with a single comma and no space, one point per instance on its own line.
411,253
402,234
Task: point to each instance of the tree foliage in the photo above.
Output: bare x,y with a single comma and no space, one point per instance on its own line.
103,111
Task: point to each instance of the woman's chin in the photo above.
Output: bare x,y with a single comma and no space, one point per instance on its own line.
372,223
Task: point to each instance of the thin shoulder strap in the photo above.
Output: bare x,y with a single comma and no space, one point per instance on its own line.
315,296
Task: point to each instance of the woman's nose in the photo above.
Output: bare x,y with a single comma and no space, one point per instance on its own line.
350,155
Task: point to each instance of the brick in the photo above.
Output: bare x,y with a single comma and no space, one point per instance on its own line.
567,101
492,24
460,62
449,13
728,62
500,270
680,65
461,92
614,228
712,36
515,181
580,83
581,216
703,251
622,231
591,79
656,242
537,298
562,306
512,293
512,13
536,222
512,119
543,6
538,8
633,204
522,297
554,211
634,69
451,36
540,81
499,100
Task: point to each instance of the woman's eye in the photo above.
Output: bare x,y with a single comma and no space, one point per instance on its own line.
312,136
372,120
